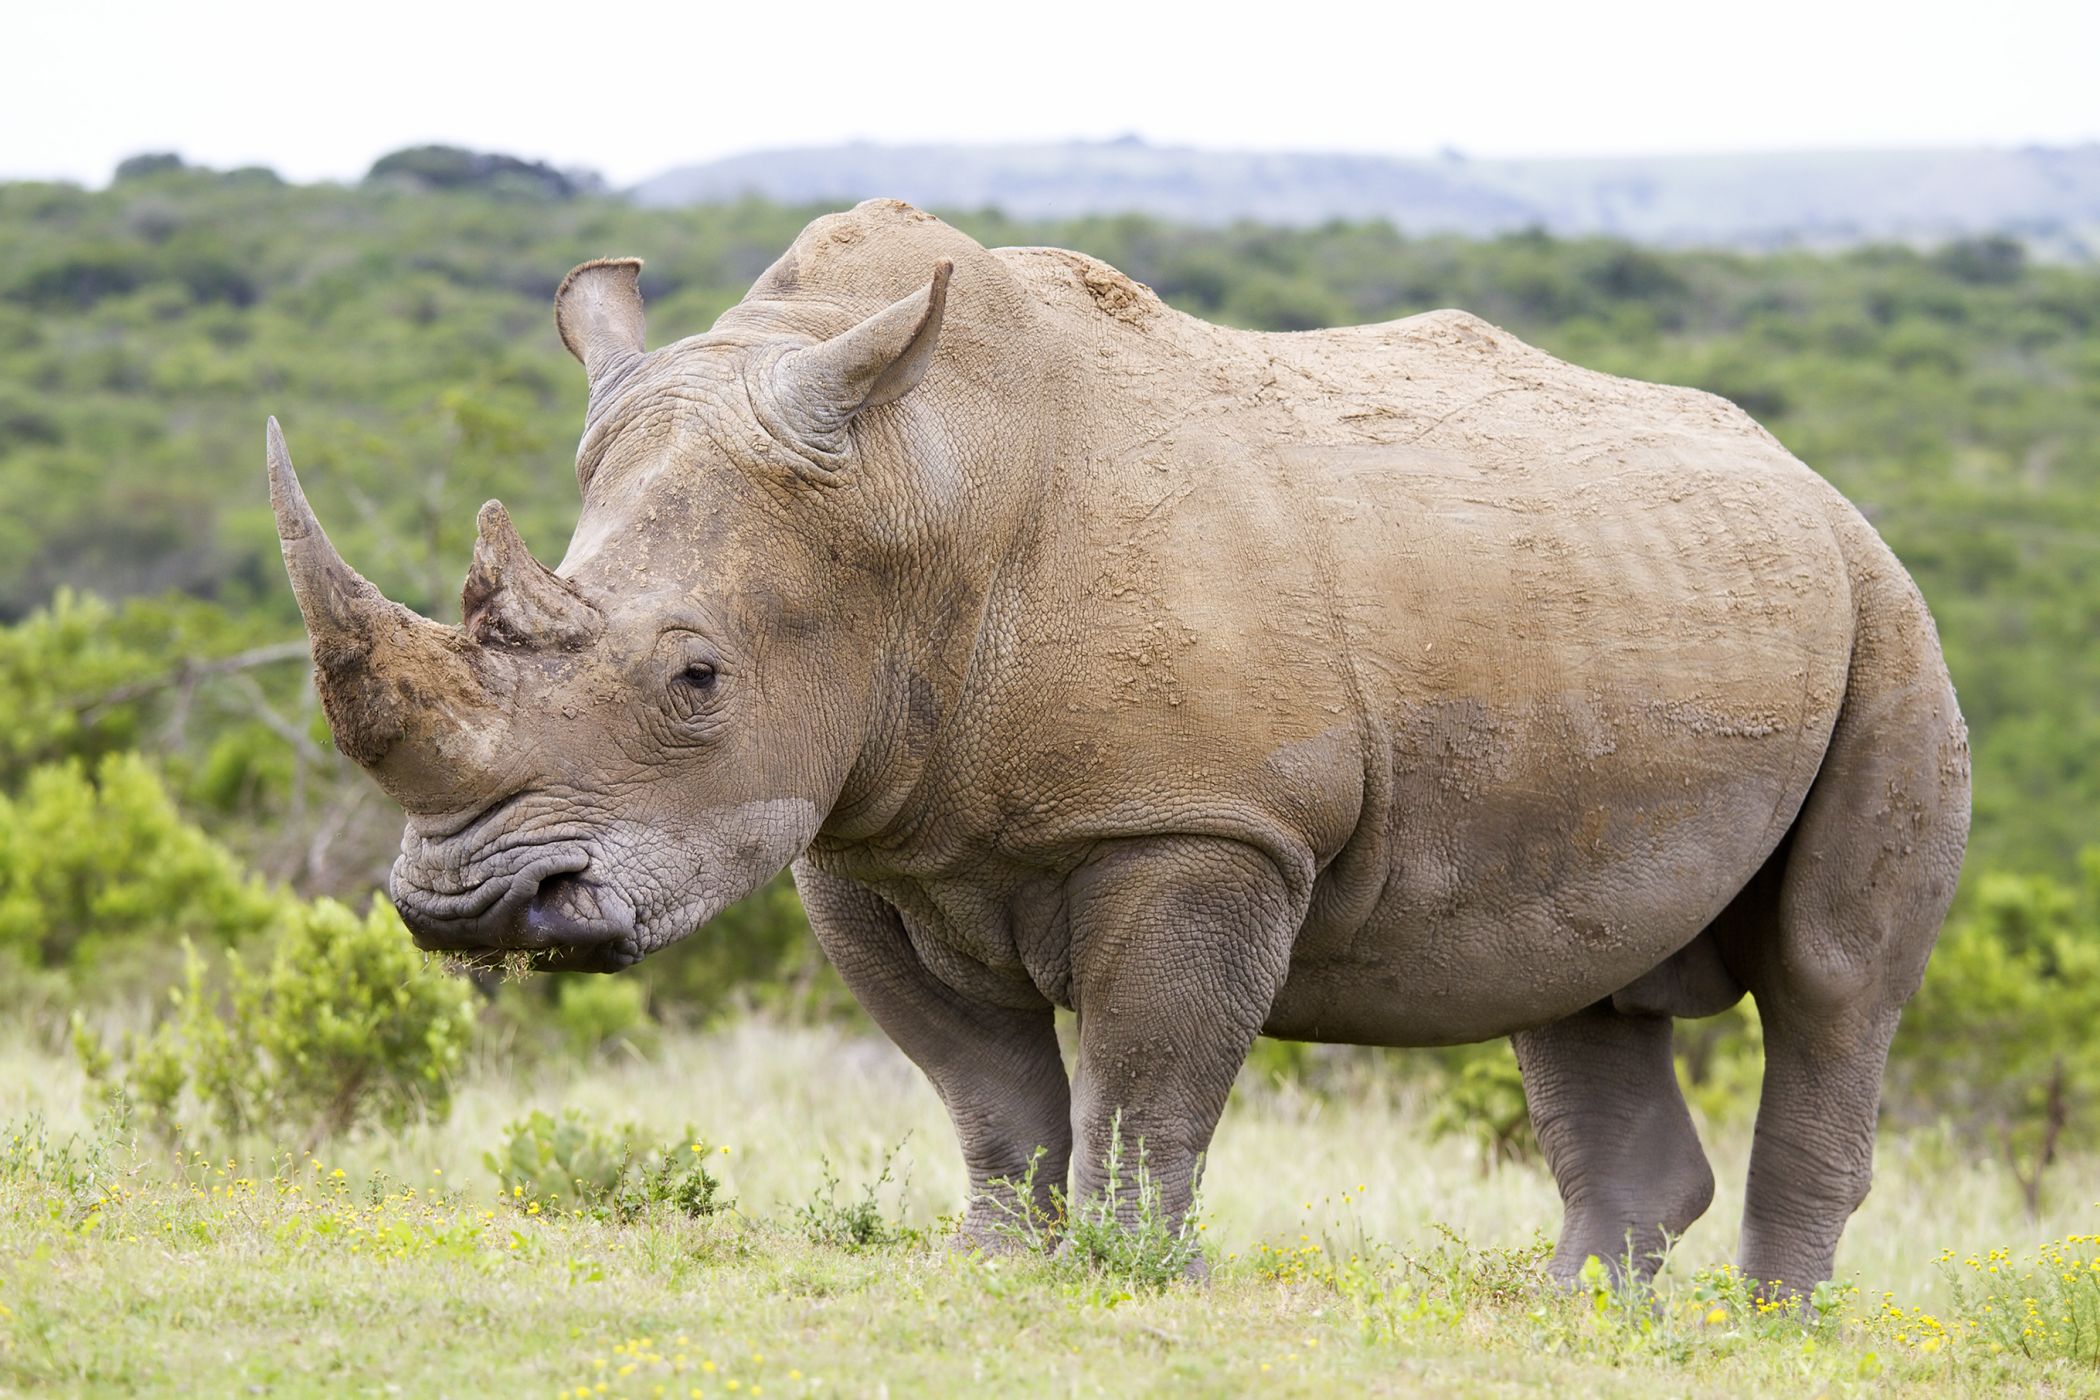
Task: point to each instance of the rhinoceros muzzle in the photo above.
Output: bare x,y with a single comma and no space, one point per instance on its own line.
550,909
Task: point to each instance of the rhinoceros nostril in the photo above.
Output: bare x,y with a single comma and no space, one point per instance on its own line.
555,899
568,910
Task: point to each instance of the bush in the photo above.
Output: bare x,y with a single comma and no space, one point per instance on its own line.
1121,1236
1123,1233
757,950
52,665
857,1224
1721,1063
453,168
147,164
1999,1039
83,679
2043,1305
593,1011
567,1163
346,1026
1995,260
1280,1061
1484,1101
87,864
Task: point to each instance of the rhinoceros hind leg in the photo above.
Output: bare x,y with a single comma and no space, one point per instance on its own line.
1608,1113
1864,879
1830,977
1813,1154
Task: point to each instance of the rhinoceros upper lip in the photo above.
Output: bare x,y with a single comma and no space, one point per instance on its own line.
452,869
463,919
566,923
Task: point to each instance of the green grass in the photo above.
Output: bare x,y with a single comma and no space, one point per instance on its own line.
1349,1255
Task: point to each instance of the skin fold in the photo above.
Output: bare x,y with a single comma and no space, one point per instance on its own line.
1394,685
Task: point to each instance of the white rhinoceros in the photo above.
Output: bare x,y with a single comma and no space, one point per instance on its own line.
1394,685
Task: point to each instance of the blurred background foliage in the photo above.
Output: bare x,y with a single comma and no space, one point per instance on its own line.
159,742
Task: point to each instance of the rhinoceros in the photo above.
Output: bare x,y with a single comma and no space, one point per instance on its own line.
1393,685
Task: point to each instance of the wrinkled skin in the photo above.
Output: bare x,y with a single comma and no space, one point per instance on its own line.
1394,685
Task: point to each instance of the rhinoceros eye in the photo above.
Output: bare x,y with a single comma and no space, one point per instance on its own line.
693,681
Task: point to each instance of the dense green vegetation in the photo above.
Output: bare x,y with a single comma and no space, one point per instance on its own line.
403,337
175,828
402,330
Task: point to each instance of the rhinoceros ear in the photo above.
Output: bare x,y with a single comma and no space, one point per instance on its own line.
876,362
598,311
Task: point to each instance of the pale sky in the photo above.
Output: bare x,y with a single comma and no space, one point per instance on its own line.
319,91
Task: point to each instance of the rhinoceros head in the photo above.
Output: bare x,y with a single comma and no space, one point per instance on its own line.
604,754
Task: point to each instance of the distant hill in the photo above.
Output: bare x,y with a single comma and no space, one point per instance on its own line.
2050,196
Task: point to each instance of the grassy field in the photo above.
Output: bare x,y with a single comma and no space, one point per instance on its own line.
1350,1254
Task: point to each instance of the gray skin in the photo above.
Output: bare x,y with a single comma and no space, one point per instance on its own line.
1394,685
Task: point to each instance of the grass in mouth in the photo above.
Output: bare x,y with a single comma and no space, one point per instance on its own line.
512,964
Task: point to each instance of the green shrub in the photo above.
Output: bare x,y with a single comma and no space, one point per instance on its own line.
52,665
92,863
1123,1233
1999,1039
222,699
1121,1236
1721,1063
1484,1101
1279,1061
856,1224
345,1026
85,1170
757,950
30,992
550,1160
595,1010
570,1164
2045,1304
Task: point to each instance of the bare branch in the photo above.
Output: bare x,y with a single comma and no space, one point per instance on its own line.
349,802
187,673
259,705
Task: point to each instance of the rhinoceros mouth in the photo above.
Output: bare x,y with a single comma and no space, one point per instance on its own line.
548,912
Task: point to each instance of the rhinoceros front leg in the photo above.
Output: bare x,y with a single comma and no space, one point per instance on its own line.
1178,949
996,1068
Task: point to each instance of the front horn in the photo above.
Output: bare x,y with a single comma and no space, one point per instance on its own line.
384,673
